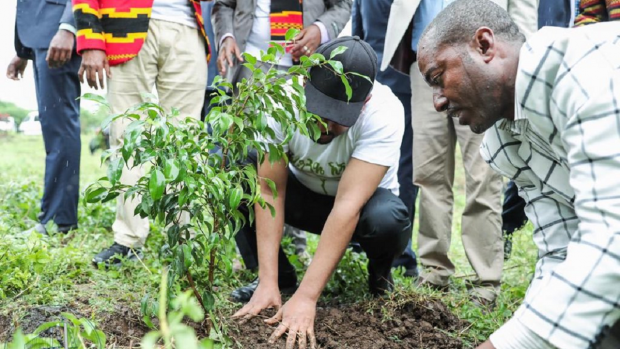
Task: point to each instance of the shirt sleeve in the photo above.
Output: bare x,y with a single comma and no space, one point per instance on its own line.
515,335
324,33
381,134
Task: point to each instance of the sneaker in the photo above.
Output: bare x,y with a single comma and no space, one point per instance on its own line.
115,254
244,294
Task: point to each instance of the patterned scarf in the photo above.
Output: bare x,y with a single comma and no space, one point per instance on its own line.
285,15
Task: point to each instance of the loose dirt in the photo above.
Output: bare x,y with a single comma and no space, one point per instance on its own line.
415,323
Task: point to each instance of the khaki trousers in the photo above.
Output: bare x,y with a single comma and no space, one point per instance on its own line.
173,61
434,141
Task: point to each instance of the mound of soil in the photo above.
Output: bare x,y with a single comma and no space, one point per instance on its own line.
414,324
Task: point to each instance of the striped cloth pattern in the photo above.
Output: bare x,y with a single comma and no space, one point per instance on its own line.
594,11
118,27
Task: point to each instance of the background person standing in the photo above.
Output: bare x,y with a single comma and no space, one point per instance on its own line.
45,34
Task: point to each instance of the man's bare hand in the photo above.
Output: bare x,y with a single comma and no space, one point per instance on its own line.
265,296
227,51
297,317
306,42
16,68
60,49
486,345
94,64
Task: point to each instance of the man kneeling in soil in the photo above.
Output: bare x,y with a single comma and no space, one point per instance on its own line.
551,111
344,186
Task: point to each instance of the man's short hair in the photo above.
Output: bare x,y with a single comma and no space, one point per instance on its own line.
458,23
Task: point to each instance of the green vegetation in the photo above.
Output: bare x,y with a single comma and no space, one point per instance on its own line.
56,271
51,279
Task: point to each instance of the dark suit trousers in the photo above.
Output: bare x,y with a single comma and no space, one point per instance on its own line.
59,113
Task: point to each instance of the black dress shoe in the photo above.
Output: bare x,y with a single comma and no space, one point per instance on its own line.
113,256
244,294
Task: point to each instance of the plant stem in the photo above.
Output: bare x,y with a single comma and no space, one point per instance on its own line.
196,293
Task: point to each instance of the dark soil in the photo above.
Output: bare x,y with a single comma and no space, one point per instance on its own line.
123,326
414,324
420,324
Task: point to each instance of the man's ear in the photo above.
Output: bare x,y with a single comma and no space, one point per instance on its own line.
484,42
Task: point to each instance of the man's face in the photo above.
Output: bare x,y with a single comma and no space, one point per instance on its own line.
465,85
329,131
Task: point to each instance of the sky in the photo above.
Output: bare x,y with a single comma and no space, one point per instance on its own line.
20,92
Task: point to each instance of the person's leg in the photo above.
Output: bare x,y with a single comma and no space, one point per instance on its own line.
182,64
129,82
433,171
408,190
383,231
481,221
59,114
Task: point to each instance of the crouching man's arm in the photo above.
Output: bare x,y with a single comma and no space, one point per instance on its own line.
359,182
268,235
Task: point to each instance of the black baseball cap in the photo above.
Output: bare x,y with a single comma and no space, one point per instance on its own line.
326,94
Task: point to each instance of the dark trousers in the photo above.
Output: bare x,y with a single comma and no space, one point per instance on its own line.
382,231
408,191
59,114
513,210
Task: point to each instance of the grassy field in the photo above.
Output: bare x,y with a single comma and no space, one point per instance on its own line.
38,273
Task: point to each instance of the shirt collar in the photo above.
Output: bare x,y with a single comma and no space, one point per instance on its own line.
516,126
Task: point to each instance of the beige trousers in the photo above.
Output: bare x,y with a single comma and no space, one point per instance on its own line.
173,61
434,143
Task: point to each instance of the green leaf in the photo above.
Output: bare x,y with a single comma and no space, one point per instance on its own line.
115,170
94,194
347,87
184,337
249,58
361,76
235,198
150,340
337,66
206,343
171,170
290,34
96,98
71,318
157,184
272,187
337,51
208,300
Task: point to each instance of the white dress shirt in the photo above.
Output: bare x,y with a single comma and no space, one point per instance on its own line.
563,151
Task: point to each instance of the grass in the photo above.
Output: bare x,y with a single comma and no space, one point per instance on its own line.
56,271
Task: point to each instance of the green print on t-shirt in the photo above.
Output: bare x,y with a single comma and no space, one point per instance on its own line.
309,165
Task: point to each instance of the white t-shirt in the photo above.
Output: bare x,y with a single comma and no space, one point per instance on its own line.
176,11
375,138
